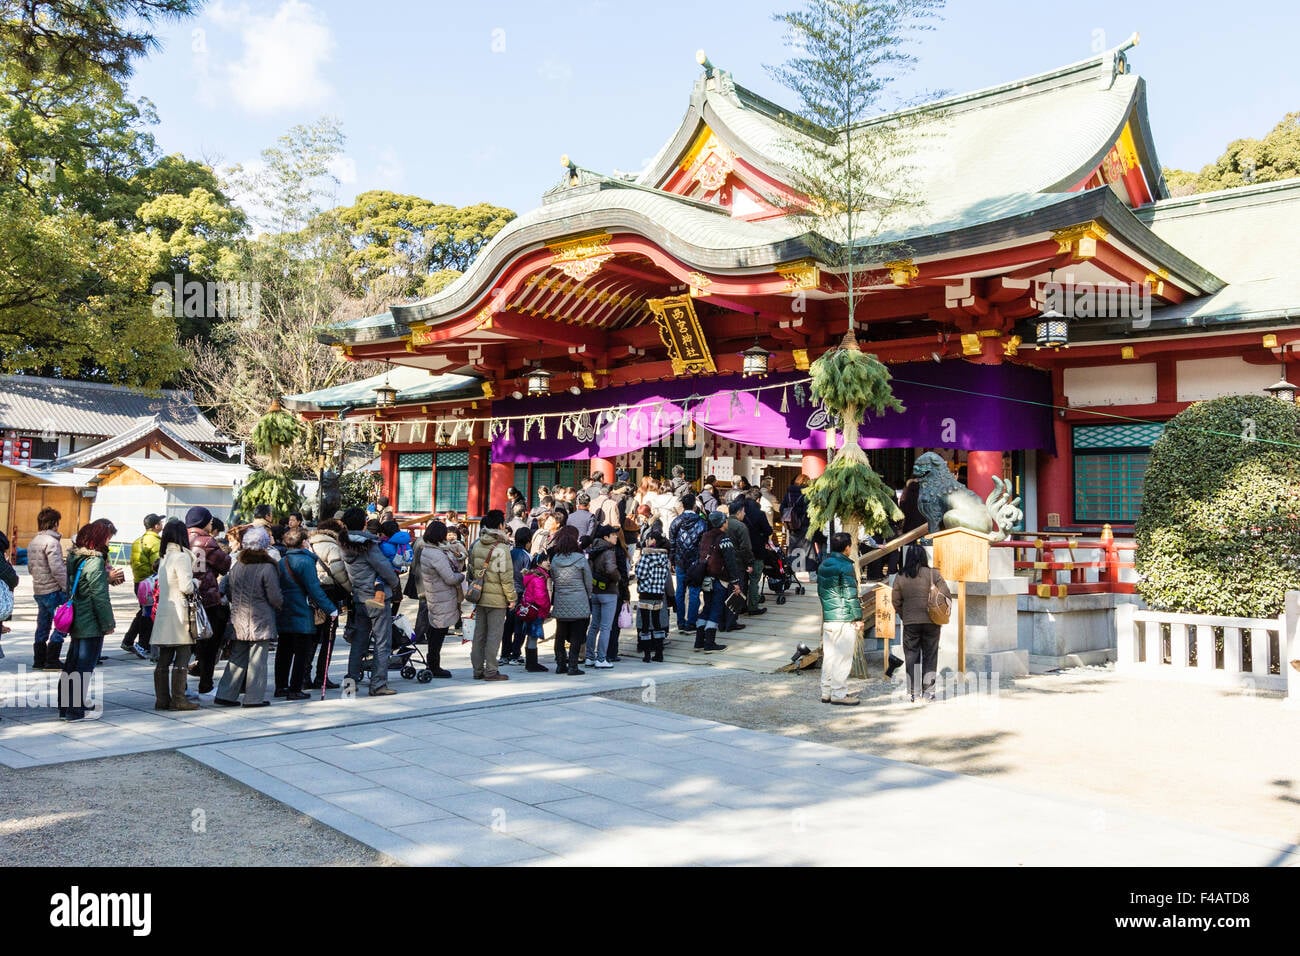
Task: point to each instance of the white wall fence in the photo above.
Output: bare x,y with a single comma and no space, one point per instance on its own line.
1237,652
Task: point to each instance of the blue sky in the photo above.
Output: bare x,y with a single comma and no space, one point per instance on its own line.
466,103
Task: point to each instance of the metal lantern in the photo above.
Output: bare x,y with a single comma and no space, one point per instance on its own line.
385,396
539,382
754,361
1283,391
1052,330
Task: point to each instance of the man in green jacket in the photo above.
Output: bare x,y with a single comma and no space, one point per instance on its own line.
837,587
145,552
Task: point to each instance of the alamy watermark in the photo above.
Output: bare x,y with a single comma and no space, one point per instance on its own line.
32,690
1089,300
209,299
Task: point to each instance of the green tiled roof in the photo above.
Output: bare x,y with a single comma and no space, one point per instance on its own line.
412,384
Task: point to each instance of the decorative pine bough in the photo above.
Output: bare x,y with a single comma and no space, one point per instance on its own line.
848,381
274,432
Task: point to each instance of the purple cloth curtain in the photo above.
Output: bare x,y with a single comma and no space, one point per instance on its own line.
949,405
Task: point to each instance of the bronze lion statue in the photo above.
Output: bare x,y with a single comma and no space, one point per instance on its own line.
946,503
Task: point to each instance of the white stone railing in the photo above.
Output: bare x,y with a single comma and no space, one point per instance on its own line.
1182,647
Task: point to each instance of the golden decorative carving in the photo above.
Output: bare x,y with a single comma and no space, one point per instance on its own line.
581,258
580,270
1011,346
1156,281
902,272
588,380
712,173
699,284
487,390
679,330
1127,352
800,275
703,141
420,335
1080,240
485,317
801,359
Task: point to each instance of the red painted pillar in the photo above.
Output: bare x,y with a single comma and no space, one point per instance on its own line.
476,500
1056,478
981,467
605,467
388,477
1056,472
814,463
503,476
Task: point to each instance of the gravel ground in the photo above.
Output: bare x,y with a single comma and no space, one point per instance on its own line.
145,810
1206,756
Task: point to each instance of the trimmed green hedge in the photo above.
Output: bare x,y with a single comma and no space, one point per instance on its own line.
1219,531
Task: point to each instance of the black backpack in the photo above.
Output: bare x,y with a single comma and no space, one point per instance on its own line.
686,542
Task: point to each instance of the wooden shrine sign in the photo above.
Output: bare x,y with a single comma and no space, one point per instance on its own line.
679,329
962,555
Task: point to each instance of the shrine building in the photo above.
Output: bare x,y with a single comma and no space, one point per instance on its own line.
1052,307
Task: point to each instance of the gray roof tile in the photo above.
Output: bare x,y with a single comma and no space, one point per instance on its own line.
32,405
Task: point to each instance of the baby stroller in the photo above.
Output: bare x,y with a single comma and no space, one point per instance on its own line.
404,650
779,574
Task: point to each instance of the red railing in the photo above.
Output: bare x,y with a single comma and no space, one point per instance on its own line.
1046,557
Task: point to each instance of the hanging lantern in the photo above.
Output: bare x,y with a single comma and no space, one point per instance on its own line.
1283,391
441,438
1052,330
539,382
754,361
385,396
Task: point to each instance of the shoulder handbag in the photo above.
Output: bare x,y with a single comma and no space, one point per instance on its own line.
937,604
64,613
200,626
474,593
318,617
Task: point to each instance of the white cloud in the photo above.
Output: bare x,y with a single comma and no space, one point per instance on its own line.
344,169
555,71
390,171
282,59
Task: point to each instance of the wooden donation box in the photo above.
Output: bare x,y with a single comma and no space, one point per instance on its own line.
961,555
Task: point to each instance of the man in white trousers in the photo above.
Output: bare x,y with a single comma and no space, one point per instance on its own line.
837,587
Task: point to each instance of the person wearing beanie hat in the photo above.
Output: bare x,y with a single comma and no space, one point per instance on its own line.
738,532
722,571
255,597
210,561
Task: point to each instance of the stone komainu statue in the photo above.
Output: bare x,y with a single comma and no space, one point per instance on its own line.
946,503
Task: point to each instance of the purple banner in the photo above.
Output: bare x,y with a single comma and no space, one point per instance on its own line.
948,405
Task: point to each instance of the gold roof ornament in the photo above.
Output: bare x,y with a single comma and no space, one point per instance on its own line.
800,275
581,258
1081,240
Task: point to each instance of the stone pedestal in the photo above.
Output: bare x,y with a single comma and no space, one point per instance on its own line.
992,635
1069,632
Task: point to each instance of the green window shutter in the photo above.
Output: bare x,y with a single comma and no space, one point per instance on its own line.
451,481
415,483
1110,463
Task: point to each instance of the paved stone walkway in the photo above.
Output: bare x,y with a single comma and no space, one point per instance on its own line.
589,781
538,771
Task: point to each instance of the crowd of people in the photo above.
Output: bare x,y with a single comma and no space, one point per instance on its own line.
206,592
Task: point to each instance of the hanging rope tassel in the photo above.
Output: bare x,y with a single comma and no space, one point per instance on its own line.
785,400
757,395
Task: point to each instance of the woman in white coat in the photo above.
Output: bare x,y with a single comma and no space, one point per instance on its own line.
172,619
